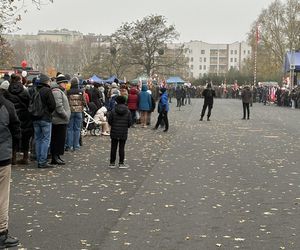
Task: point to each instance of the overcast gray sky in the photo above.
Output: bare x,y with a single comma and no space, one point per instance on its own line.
212,21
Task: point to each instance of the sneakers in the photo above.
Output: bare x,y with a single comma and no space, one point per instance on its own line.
122,165
105,133
7,241
112,165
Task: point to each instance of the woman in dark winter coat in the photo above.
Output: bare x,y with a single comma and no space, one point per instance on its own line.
120,120
208,94
19,96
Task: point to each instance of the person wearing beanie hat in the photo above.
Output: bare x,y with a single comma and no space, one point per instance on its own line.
77,103
43,79
42,125
120,120
4,85
61,79
163,109
60,120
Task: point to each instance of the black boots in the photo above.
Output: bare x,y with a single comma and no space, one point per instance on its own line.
7,241
56,160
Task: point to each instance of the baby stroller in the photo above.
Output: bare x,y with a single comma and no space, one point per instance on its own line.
89,125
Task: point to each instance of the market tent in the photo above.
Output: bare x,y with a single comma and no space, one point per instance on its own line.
112,79
96,78
175,80
290,59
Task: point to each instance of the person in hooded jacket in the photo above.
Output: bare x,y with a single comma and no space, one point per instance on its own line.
101,119
43,125
163,109
133,102
19,96
120,120
145,104
96,96
77,103
208,94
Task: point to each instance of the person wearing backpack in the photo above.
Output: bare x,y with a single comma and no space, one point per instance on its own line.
208,94
41,107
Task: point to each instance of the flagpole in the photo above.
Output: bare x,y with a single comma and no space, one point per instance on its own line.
255,55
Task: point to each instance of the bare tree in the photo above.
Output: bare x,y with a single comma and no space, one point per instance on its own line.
11,12
143,41
279,31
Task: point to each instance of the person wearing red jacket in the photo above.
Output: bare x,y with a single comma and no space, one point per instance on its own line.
132,103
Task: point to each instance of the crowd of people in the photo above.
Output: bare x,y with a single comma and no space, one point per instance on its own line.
43,118
51,112
281,96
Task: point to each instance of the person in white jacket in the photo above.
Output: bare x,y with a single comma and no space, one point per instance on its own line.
101,119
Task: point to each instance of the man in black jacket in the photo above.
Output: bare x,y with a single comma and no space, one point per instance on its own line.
42,125
9,130
208,94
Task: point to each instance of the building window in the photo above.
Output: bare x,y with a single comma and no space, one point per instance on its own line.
204,67
235,59
231,52
248,52
244,52
235,52
204,59
231,59
200,59
192,59
200,67
202,51
192,66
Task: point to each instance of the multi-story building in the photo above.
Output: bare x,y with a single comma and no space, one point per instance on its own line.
205,58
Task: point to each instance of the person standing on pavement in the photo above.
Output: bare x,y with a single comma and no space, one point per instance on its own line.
9,131
60,120
133,102
120,120
208,94
145,104
246,99
77,104
43,124
163,109
19,96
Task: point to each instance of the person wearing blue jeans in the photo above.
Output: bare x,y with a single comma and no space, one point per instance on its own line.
74,128
77,103
42,124
42,135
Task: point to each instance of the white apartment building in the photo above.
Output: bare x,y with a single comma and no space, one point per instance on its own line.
207,58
